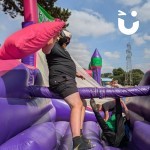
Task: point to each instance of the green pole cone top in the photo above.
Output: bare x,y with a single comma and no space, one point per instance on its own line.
96,60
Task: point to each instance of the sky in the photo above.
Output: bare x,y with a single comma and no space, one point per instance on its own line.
94,24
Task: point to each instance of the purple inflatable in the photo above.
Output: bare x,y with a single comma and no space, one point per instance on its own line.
25,121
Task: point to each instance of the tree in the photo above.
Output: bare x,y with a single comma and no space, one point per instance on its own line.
118,71
119,74
15,7
107,75
137,75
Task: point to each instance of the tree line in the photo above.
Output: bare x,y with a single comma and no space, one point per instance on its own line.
119,74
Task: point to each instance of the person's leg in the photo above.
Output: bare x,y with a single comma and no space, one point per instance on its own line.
83,113
123,124
119,117
118,113
75,103
99,118
69,92
82,120
120,128
107,134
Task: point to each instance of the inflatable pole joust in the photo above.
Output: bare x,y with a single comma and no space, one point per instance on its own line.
30,17
89,92
96,65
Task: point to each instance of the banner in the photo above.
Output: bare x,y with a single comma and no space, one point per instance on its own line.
43,15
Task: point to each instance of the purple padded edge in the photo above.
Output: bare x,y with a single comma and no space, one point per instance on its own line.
39,137
141,135
14,81
19,114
